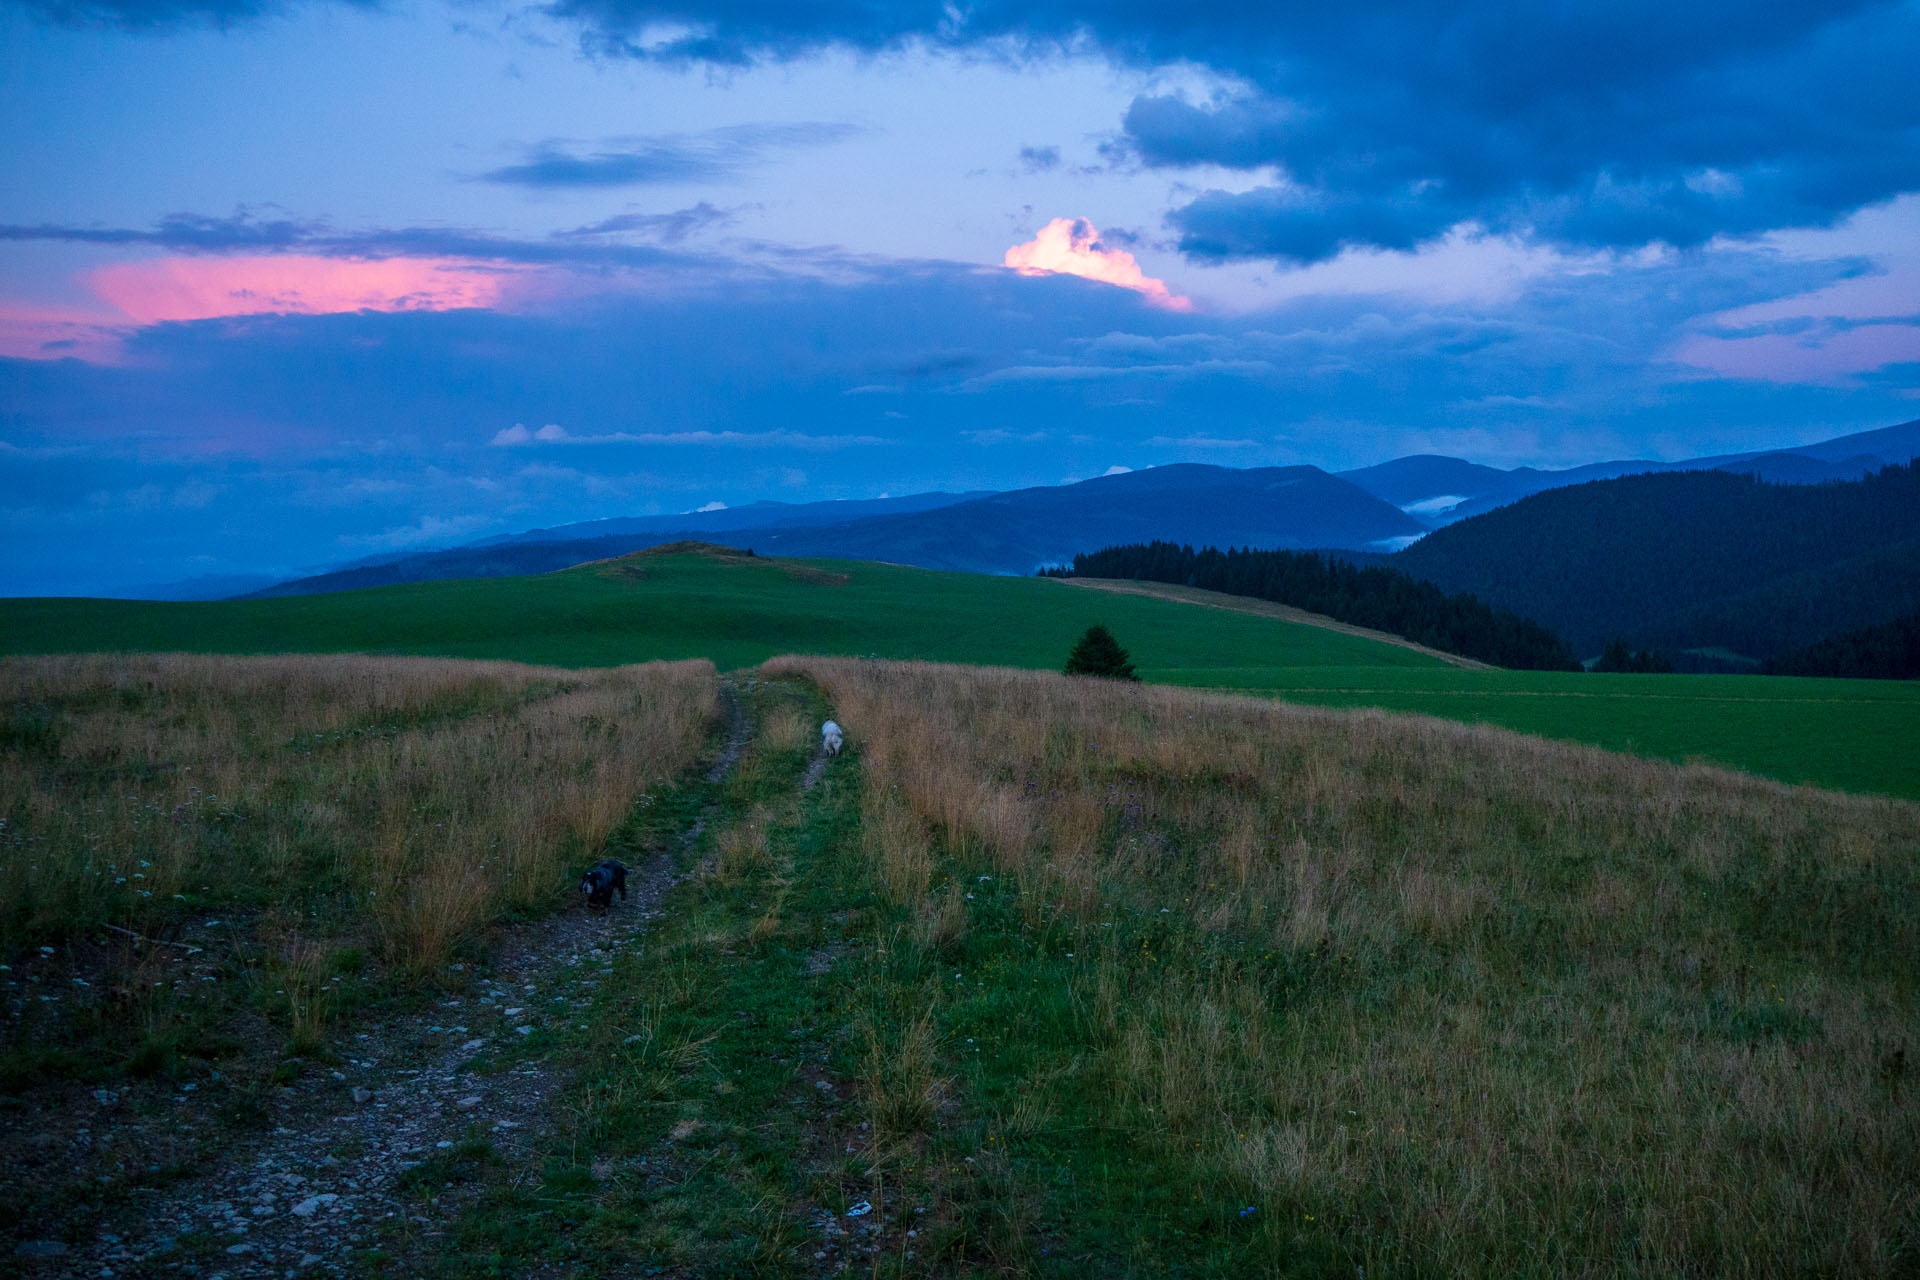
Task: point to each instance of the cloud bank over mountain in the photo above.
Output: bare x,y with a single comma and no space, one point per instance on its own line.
283,280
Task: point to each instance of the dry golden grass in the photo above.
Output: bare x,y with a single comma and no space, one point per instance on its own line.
900,1080
1473,1003
895,840
741,849
787,728
409,799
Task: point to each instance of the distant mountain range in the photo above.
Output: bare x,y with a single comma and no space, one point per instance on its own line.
1438,490
757,515
1015,532
1369,512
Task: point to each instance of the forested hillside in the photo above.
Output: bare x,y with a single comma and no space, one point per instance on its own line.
1890,651
1692,559
1382,599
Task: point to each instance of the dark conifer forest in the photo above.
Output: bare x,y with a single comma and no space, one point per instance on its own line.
1692,559
1382,599
1890,651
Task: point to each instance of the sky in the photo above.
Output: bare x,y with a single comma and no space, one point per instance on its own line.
285,285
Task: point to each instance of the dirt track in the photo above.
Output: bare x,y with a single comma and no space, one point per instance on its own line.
327,1177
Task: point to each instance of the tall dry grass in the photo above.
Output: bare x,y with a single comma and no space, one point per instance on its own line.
1459,1000
409,800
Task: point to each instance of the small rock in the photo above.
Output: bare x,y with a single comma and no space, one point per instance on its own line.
471,1045
525,1031
514,1012
361,1096
238,1249
40,1248
468,1104
307,1208
309,1259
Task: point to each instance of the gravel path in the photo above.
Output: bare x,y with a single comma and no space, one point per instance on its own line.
324,1181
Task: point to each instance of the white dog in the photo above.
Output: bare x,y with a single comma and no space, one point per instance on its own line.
831,738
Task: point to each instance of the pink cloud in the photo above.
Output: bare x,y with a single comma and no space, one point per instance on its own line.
195,288
1071,246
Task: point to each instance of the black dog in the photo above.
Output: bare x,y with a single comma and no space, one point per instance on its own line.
599,883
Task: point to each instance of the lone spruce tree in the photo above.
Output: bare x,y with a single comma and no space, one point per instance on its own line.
1099,654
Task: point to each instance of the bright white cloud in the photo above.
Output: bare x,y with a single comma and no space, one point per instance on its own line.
1071,246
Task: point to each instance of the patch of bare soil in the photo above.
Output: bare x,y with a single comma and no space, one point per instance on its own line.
632,565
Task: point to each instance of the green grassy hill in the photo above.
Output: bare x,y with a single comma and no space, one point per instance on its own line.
1848,735
737,611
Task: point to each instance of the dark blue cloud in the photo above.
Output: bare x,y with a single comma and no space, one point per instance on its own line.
668,228
1594,123
1584,123
1577,132
1039,159
589,246
716,155
187,232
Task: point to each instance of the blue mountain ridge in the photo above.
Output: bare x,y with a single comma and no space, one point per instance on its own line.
1367,511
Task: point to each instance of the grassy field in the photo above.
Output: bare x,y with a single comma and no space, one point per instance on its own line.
1058,977
735,611
210,865
1427,999
1848,735
331,826
418,797
1066,978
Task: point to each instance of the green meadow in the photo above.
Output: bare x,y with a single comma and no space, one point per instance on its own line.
731,609
738,612
1847,735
